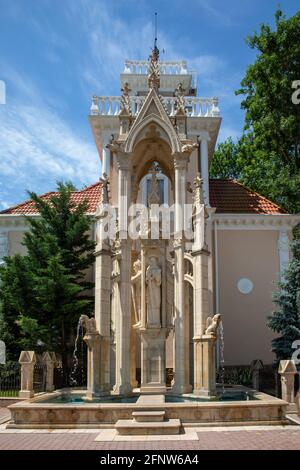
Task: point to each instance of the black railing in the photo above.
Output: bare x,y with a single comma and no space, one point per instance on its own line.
39,377
235,375
10,375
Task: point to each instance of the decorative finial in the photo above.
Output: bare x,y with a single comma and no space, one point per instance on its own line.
125,100
155,49
180,101
154,197
153,76
198,191
104,192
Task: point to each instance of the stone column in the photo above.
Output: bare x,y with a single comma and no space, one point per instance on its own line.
27,360
105,138
153,360
181,357
103,269
204,346
256,367
102,310
287,370
123,376
94,362
133,359
201,293
204,139
49,361
205,365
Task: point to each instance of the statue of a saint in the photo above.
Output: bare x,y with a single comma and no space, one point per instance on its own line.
136,291
153,295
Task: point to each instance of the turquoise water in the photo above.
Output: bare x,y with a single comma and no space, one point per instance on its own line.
65,398
72,398
227,396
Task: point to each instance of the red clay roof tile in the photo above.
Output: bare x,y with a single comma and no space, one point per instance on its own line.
227,196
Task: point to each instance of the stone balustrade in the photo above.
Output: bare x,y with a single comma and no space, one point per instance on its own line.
140,67
195,106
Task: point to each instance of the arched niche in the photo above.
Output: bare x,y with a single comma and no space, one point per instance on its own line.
150,124
152,148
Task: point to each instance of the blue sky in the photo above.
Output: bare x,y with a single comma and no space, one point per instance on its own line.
55,54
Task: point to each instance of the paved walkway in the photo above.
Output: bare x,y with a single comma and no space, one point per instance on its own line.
250,438
201,438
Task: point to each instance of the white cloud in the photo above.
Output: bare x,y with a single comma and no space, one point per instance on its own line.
35,142
218,15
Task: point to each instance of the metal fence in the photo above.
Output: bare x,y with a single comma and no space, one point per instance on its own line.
269,380
235,375
10,378
39,377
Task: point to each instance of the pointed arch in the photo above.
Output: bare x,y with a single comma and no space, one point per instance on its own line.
168,129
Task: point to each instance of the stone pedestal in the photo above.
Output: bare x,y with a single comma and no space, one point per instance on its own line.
153,360
256,367
205,360
287,370
94,362
27,360
49,361
102,309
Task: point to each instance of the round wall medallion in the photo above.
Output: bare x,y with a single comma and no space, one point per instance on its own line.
245,286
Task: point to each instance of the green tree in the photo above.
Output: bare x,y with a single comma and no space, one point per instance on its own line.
267,157
43,293
225,163
285,320
267,87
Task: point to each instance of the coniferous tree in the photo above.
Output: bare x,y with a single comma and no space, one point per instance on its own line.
285,320
43,293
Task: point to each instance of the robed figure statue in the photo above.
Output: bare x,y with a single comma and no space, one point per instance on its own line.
153,293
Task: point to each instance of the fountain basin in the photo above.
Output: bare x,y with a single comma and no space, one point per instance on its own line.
54,410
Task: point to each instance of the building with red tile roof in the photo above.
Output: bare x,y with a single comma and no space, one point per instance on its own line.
227,196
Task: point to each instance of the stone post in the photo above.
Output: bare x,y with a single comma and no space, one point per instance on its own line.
204,346
205,360
204,139
153,360
133,359
123,376
105,155
256,367
287,370
27,360
181,357
49,361
102,310
103,285
94,375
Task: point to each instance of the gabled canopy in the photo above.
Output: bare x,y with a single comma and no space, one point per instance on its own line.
153,112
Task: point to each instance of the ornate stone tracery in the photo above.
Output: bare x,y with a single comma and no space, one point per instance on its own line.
149,275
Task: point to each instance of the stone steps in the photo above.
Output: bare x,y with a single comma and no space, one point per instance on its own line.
132,427
148,416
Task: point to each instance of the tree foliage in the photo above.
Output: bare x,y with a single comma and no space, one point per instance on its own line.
285,320
267,157
44,292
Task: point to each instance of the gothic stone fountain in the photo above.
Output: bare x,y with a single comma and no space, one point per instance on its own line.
151,292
